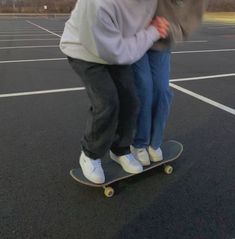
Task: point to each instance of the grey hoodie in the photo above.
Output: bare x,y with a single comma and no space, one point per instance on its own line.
184,17
110,31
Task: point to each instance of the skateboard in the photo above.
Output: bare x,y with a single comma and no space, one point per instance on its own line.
113,172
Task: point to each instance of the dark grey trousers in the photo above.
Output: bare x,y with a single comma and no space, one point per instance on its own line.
114,107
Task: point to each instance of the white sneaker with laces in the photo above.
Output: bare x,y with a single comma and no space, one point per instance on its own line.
92,169
128,163
155,154
141,155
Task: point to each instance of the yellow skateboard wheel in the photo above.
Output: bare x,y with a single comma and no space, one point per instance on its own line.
168,169
109,192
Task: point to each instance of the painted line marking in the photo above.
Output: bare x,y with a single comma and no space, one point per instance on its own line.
10,40
202,77
53,33
41,92
26,31
22,31
172,80
33,60
188,92
24,35
174,52
204,99
27,47
221,27
195,41
203,51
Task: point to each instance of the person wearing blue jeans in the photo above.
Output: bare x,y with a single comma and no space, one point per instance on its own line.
152,76
152,82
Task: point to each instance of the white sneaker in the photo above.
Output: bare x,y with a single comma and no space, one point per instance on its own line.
128,163
155,154
92,169
141,155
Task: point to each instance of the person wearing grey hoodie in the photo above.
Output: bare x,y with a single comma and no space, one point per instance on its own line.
102,39
152,73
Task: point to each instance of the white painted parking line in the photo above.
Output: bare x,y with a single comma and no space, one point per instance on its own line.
172,80
202,77
33,60
21,32
222,27
174,52
48,39
25,35
195,95
53,33
41,92
27,47
204,99
196,41
20,29
26,31
203,51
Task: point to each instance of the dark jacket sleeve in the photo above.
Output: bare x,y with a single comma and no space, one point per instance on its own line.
184,17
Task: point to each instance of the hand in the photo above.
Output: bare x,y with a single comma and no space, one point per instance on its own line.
162,25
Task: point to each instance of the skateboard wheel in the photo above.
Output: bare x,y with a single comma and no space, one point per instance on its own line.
168,169
109,192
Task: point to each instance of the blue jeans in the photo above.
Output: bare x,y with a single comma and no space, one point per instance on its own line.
152,74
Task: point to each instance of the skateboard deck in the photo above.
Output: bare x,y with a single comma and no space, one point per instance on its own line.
113,172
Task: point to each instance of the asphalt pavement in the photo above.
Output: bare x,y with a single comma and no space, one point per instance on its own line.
43,108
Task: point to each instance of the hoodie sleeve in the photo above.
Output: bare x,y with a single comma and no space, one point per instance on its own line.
114,48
